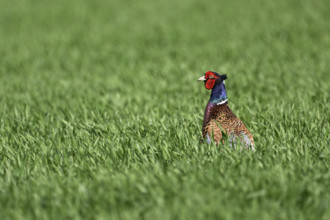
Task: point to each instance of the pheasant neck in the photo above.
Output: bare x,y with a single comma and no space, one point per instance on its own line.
218,94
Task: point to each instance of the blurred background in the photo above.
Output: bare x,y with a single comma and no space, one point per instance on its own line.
142,49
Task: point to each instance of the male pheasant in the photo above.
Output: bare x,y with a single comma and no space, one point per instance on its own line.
218,118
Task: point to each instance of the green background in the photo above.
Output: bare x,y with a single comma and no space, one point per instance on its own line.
101,113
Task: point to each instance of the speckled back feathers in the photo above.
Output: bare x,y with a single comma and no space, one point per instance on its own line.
219,119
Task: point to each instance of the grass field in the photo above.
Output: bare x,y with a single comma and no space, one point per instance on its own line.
101,113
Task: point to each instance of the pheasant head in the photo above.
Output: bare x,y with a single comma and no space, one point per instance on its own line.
215,81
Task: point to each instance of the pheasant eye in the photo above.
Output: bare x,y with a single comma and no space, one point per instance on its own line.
211,77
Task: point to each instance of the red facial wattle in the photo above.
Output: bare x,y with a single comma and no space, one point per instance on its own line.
210,79
209,84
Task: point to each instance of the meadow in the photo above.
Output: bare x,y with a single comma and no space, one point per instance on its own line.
101,114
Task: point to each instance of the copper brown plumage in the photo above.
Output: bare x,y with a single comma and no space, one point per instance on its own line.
218,117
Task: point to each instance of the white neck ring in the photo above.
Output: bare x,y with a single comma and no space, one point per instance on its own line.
222,102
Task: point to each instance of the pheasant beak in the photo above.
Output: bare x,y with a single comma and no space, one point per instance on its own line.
201,79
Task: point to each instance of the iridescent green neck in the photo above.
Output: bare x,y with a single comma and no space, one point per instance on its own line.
218,94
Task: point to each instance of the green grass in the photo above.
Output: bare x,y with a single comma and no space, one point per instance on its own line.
101,113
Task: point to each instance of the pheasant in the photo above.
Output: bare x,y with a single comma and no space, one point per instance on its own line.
218,118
